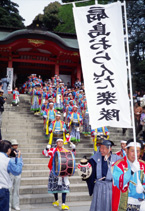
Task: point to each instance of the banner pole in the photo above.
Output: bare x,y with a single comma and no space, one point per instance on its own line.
130,80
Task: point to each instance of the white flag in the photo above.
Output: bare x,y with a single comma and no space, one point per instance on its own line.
10,78
101,42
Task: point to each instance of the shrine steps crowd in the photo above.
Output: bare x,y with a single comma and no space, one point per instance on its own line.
21,124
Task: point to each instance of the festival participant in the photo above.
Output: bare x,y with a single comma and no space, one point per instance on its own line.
44,107
2,101
57,129
137,114
101,131
100,181
16,95
69,109
57,184
85,115
44,95
49,116
24,88
122,152
59,98
74,121
128,191
36,105
77,83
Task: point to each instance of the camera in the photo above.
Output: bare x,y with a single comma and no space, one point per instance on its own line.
14,153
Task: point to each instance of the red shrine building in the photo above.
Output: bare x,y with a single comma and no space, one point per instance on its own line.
35,51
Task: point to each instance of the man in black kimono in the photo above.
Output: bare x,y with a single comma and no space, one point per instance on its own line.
100,181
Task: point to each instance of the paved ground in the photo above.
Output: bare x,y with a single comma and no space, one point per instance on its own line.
49,207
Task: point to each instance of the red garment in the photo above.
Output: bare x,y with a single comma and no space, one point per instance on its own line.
14,96
120,196
119,153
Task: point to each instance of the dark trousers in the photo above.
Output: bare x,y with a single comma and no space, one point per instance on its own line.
63,197
4,199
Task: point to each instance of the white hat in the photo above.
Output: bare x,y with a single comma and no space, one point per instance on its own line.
14,142
59,140
123,142
1,90
132,144
76,106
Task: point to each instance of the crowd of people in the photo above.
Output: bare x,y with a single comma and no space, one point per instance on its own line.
64,110
65,115
115,181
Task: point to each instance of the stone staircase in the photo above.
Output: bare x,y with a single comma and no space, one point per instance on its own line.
21,124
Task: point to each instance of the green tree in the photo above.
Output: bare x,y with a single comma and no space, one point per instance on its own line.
50,17
136,26
66,16
9,14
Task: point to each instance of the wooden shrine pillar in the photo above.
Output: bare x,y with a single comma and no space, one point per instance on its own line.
56,69
79,72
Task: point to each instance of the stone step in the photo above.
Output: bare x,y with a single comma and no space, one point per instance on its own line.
41,172
45,198
44,180
25,139
23,145
74,206
17,113
36,166
43,189
36,173
21,120
21,130
28,125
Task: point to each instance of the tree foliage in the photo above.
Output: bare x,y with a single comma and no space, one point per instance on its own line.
50,17
136,26
9,14
66,16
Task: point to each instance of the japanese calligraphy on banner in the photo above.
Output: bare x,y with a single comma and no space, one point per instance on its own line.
10,78
101,42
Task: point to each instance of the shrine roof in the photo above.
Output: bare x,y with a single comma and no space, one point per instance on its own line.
66,42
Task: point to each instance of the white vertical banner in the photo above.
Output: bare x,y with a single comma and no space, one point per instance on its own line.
101,42
10,79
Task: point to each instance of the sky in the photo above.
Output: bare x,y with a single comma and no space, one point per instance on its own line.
28,9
